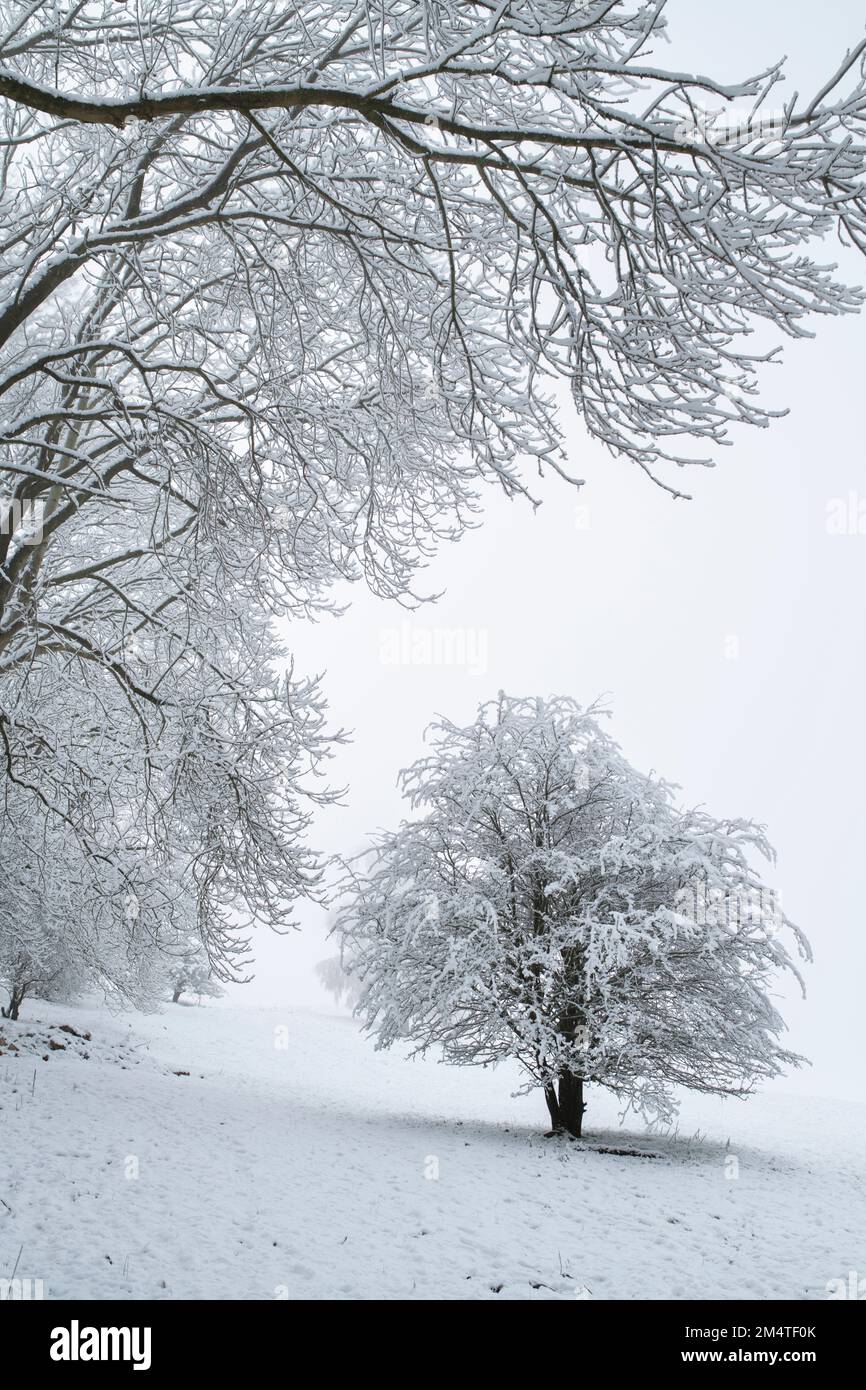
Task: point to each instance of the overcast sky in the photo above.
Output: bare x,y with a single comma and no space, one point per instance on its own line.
727,632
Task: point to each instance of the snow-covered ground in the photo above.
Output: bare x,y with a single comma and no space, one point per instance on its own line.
294,1161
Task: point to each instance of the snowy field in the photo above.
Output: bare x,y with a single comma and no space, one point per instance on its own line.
294,1161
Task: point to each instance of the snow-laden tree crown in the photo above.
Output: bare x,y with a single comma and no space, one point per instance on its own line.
547,902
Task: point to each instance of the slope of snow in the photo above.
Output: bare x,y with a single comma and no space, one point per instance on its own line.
294,1161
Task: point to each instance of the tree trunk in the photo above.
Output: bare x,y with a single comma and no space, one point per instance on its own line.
553,1107
176,995
570,1103
16,999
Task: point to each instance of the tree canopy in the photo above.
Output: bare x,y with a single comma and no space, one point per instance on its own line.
551,904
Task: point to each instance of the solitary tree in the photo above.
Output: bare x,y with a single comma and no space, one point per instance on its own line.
278,290
38,961
337,981
190,972
553,905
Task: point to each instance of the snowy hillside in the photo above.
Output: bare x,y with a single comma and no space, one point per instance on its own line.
294,1161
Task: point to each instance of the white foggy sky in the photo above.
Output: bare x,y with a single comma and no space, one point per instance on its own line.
640,605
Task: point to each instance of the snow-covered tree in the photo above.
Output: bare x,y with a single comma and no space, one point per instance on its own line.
551,904
36,961
278,290
54,942
175,797
190,972
340,983
91,900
